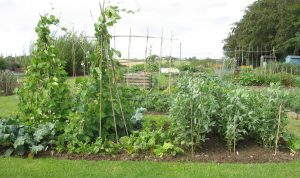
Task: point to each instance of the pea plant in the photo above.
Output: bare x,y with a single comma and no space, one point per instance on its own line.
44,94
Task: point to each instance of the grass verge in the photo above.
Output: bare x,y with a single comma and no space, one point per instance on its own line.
16,167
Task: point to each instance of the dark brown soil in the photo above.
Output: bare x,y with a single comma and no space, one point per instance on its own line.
214,150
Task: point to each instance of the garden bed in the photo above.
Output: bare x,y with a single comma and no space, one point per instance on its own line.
214,150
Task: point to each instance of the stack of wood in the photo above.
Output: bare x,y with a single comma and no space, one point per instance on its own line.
143,80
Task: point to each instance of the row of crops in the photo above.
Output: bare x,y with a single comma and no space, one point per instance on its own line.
100,116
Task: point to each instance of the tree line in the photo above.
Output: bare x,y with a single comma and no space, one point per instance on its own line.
267,24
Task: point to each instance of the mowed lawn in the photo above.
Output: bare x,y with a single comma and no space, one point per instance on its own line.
8,105
16,167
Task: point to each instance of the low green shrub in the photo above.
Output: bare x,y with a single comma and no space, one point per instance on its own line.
18,139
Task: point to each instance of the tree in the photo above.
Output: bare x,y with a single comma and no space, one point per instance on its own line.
3,64
268,24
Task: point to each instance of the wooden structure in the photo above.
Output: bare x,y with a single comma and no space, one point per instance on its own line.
142,80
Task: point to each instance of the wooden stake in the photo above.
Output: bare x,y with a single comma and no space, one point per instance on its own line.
73,54
242,56
234,134
129,44
101,88
180,50
192,138
170,60
160,54
146,54
278,129
111,100
118,96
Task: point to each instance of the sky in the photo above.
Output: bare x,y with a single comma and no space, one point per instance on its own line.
199,25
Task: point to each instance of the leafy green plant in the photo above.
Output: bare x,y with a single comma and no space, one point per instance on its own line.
293,143
44,94
160,141
258,78
104,112
16,138
195,105
236,117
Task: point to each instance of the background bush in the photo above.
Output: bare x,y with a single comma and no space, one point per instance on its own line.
8,82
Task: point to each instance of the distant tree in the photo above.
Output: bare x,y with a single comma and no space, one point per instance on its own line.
3,64
82,46
267,24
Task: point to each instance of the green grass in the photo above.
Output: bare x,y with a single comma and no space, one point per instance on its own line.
294,127
8,105
15,167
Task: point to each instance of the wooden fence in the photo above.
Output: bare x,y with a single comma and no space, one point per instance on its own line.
143,80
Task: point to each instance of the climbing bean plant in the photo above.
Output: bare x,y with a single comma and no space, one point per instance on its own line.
103,111
44,96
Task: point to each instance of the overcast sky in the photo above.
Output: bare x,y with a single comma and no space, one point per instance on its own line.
200,25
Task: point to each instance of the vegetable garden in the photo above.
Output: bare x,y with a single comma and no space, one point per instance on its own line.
102,118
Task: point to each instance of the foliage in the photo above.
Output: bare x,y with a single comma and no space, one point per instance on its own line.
16,138
258,78
44,94
195,105
14,63
154,100
158,136
279,67
82,47
104,110
293,143
268,24
159,139
137,68
190,68
3,64
158,101
8,82
138,118
253,114
204,105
